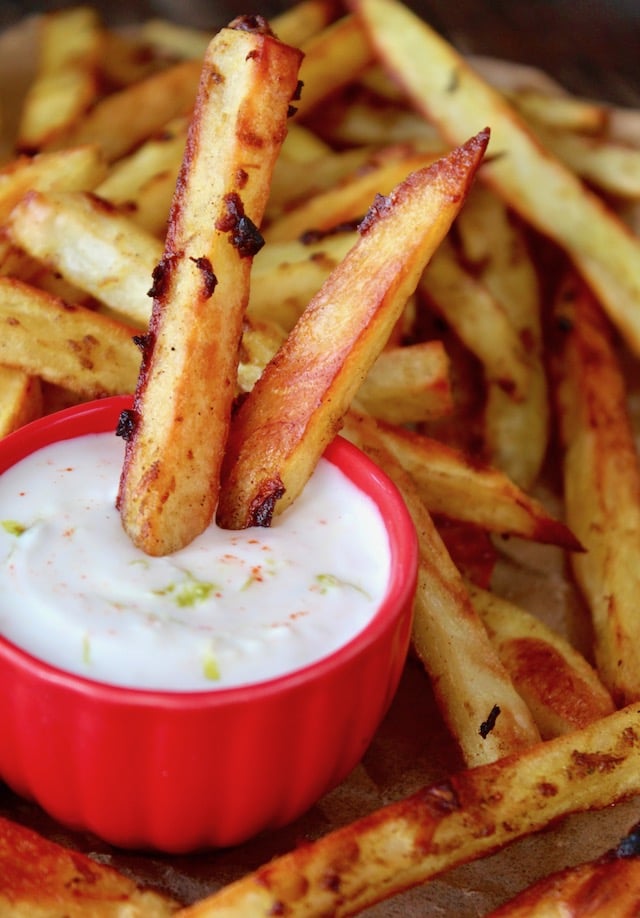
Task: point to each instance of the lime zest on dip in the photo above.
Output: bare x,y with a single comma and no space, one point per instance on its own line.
326,582
14,528
188,592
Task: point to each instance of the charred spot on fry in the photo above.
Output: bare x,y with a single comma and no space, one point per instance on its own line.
141,342
487,725
209,279
160,278
127,422
244,235
251,22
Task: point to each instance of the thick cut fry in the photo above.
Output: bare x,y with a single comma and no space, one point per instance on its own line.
296,407
66,84
516,429
602,888
79,169
139,111
601,484
169,485
456,485
469,681
409,384
20,399
445,88
67,345
562,691
92,246
469,815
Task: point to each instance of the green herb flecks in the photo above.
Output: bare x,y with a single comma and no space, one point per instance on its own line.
86,650
326,582
188,592
14,528
210,668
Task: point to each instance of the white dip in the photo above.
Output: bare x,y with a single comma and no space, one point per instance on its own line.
231,608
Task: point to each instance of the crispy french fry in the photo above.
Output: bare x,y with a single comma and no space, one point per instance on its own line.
169,485
66,83
20,399
475,694
65,344
407,385
601,887
561,689
445,88
516,429
457,485
303,20
140,111
296,406
601,483
414,839
92,246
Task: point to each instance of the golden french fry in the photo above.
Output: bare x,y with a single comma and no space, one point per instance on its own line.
561,689
66,84
75,169
65,344
296,406
92,246
122,120
169,485
559,110
516,429
531,180
608,885
408,384
474,691
20,399
301,21
174,40
457,485
471,814
601,482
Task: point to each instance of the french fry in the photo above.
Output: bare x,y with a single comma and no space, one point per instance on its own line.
296,406
536,184
601,483
457,485
65,344
169,485
471,814
516,429
303,20
407,385
610,883
559,110
561,689
71,44
474,692
92,246
20,399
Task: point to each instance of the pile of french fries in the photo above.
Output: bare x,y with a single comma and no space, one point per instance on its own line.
334,222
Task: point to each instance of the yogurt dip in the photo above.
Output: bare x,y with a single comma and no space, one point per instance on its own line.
232,608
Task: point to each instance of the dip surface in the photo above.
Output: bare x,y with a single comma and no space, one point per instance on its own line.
230,609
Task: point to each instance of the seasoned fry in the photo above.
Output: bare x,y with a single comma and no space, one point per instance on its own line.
169,485
20,399
65,344
601,483
296,407
472,813
445,88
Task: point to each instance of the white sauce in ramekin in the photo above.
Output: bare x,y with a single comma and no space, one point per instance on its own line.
230,609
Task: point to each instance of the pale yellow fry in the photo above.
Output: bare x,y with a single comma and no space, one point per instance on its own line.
20,399
461,819
448,636
66,83
65,344
123,120
444,87
408,384
92,246
601,484
76,169
479,320
173,39
169,486
350,199
516,430
561,689
282,427
332,58
462,488
559,110
303,20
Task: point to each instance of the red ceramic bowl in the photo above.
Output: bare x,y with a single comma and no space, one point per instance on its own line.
182,771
